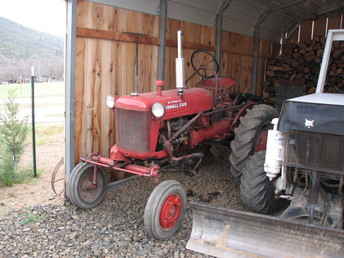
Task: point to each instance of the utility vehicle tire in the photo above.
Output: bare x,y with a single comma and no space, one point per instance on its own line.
80,188
246,135
165,210
256,190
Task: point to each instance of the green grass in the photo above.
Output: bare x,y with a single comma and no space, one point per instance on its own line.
45,133
21,176
53,89
26,176
28,217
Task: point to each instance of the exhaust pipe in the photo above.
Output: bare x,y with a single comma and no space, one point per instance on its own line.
180,82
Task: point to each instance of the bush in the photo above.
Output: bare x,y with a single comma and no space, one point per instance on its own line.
7,172
13,132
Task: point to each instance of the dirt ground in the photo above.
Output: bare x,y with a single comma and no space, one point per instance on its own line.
37,191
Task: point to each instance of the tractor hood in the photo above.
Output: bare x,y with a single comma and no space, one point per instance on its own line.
193,101
318,113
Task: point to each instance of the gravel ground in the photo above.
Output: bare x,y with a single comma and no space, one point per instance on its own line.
114,228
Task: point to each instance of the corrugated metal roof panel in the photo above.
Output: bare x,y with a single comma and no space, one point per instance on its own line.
241,16
146,6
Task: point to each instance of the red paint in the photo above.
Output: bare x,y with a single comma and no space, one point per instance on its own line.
137,155
218,130
261,141
204,121
159,85
116,154
170,211
242,111
104,160
154,137
196,99
193,101
131,168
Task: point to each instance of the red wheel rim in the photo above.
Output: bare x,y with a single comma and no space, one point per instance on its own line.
170,211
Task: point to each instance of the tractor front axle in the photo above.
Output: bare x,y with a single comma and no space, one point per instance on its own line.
116,166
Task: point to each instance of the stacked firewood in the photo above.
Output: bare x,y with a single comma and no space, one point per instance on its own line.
300,64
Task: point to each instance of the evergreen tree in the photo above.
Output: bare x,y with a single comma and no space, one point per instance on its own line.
13,132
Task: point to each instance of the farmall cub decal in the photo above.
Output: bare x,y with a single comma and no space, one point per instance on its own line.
176,104
309,123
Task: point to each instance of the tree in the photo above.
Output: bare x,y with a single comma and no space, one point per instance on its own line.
13,132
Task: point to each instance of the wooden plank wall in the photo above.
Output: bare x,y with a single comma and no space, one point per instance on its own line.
316,29
107,51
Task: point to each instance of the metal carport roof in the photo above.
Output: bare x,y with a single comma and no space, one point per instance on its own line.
276,16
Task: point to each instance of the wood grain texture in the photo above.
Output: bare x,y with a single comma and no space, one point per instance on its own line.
334,22
306,31
111,42
320,27
79,92
319,30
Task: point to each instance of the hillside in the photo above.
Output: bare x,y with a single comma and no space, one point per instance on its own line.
21,47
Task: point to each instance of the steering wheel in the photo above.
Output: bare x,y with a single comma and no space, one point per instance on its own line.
204,63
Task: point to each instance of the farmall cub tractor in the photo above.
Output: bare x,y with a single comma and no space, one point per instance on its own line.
169,127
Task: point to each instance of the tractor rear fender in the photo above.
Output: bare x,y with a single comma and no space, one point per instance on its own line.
242,111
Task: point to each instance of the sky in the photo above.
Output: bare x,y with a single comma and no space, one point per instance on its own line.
41,15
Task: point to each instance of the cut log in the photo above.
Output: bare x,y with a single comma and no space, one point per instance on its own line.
301,62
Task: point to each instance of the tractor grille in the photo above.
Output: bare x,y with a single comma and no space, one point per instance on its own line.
132,130
321,152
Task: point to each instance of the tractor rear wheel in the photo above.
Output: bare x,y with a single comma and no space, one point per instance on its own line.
165,210
247,135
256,190
82,191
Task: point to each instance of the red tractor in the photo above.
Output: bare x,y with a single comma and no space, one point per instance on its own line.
169,127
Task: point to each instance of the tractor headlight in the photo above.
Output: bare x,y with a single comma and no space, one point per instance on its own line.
110,101
158,110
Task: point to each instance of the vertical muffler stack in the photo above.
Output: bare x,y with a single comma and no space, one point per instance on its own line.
180,81
229,233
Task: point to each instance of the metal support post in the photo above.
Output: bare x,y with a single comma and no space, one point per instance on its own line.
34,161
333,35
255,50
70,86
218,38
256,46
162,27
218,31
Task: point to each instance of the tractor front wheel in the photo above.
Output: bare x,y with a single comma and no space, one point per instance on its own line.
86,186
165,210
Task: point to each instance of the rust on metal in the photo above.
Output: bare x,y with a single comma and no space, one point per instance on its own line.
57,177
229,233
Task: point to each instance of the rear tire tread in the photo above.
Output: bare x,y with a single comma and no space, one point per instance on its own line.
256,190
246,134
